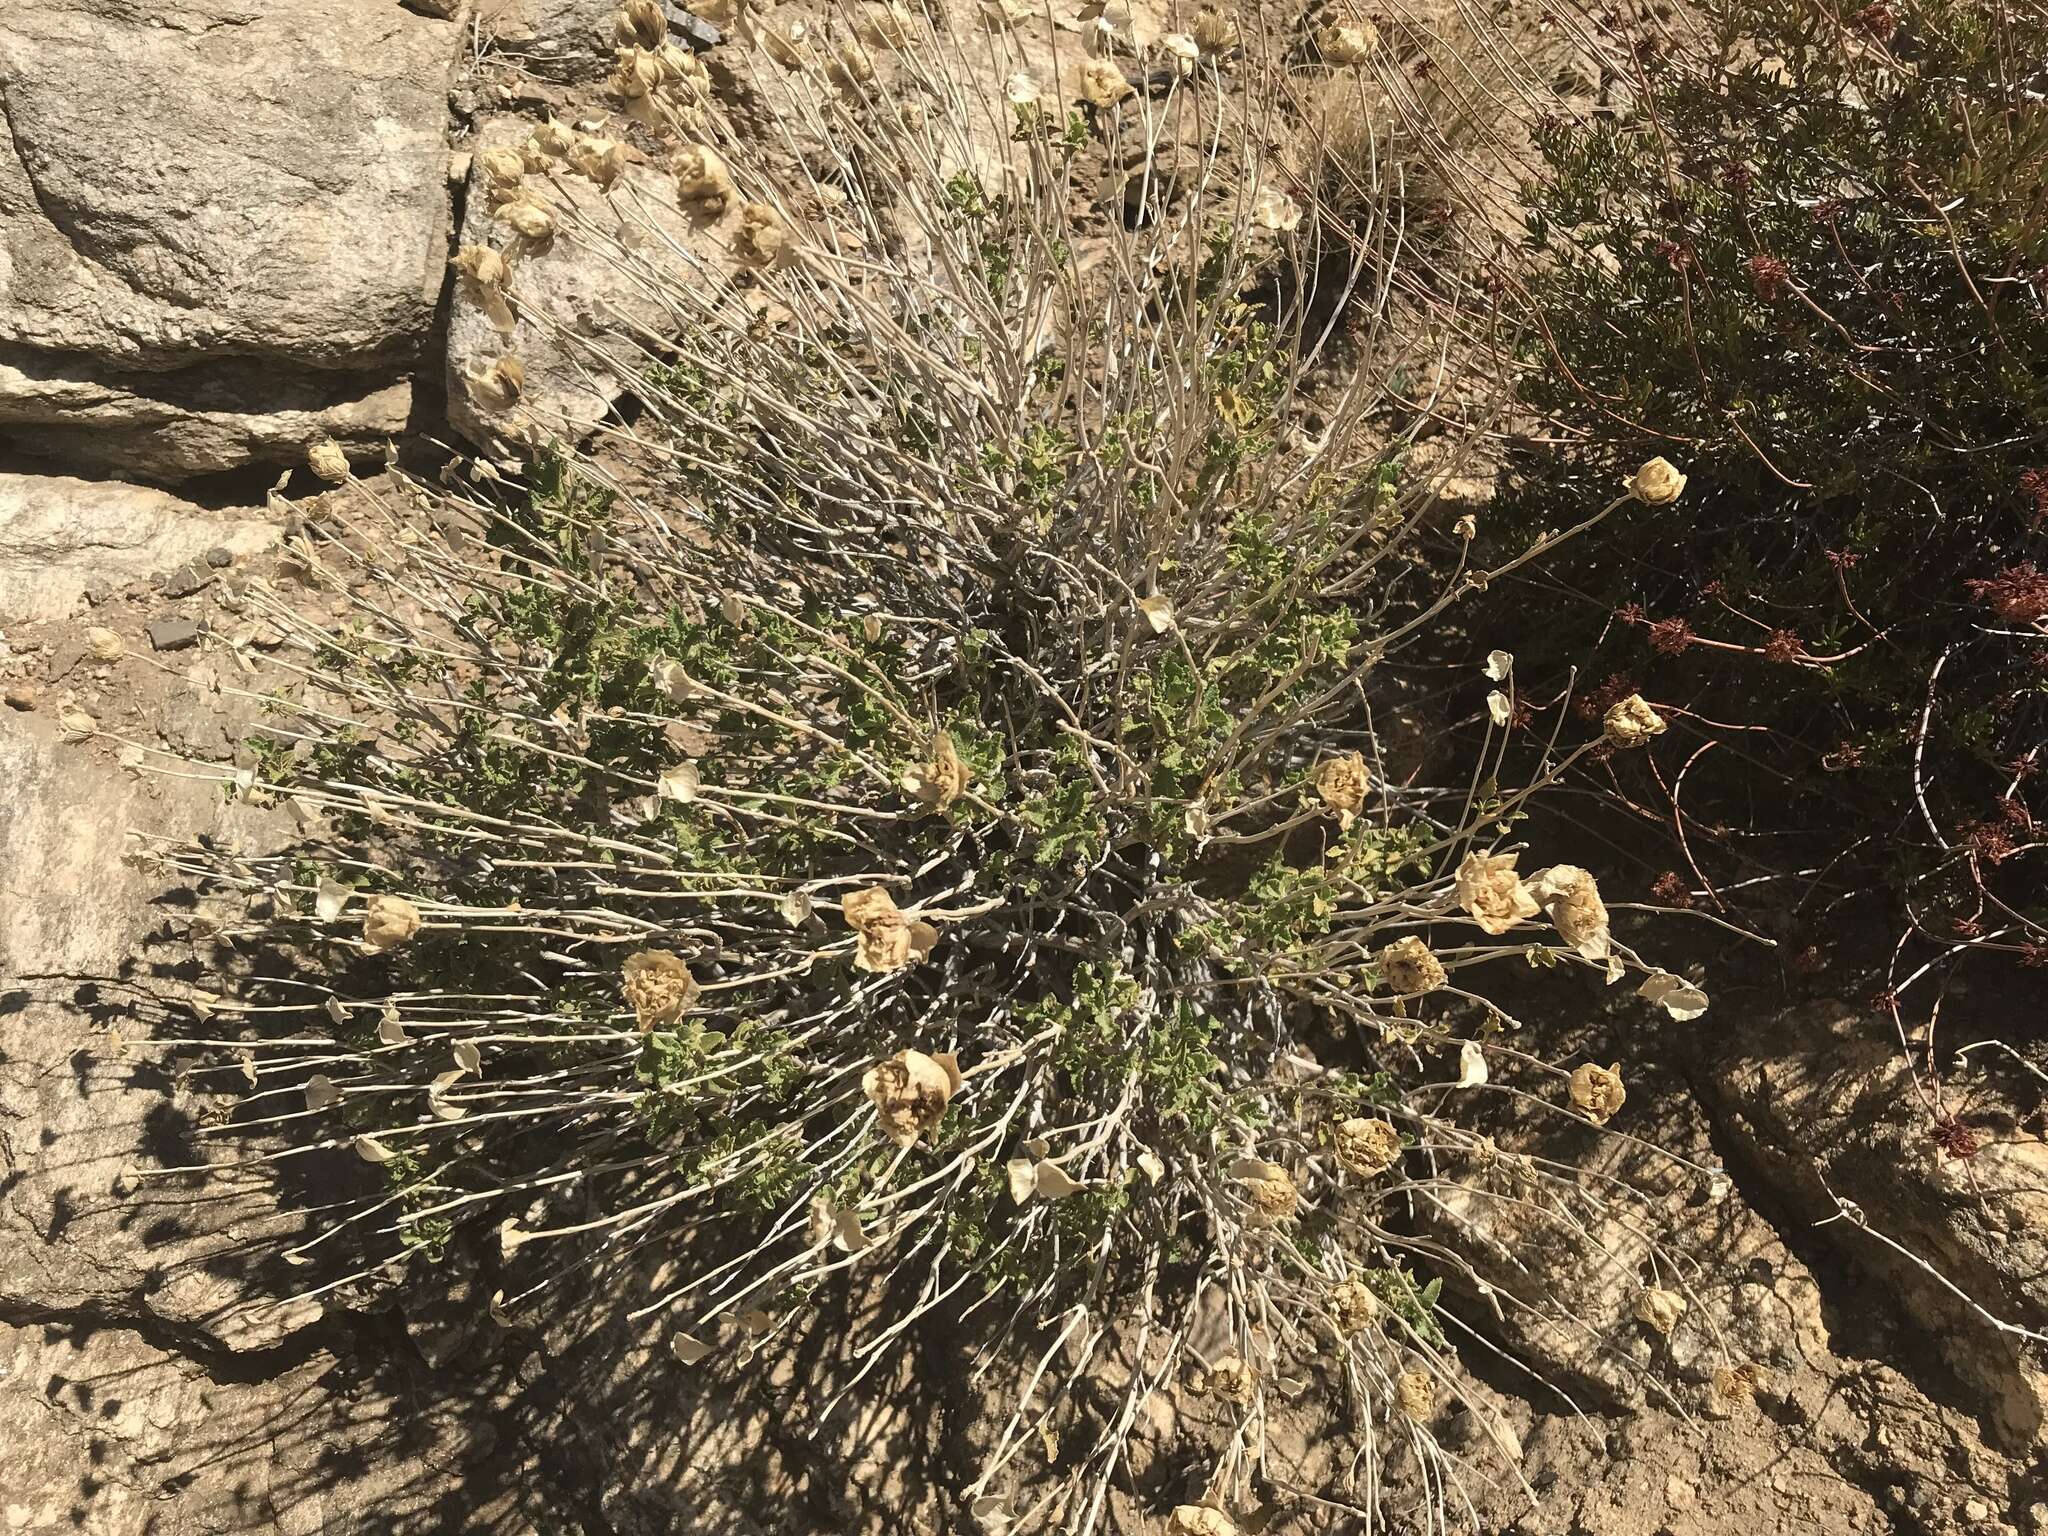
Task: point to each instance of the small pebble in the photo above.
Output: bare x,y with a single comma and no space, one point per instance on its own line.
21,696
220,557
187,579
172,634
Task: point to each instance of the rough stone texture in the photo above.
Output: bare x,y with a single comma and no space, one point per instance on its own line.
58,535
1828,1108
577,301
561,40
222,224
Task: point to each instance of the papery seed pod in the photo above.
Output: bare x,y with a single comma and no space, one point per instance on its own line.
1103,84
527,219
1657,483
498,387
1347,46
1597,1092
502,168
1342,783
326,460
1489,889
641,23
703,184
1631,722
658,986
1214,30
762,239
552,139
910,1092
602,160
388,921
885,26
1367,1147
1408,967
1415,1395
484,277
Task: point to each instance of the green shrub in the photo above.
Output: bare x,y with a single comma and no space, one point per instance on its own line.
912,803
1811,267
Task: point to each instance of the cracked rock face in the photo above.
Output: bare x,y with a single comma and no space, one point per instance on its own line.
222,225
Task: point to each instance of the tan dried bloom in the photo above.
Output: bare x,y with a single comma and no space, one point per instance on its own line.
484,277
1415,1393
1200,1520
851,68
1409,968
1355,1307
1659,1309
1571,898
937,784
910,1092
527,219
326,460
498,387
1103,84
659,987
1346,46
1215,31
1233,1379
502,169
885,26
679,66
641,23
1596,1092
1273,209
1737,1384
762,240
1182,52
602,160
1657,483
388,921
1491,891
703,184
1341,783
552,139
1631,722
886,939
1274,1198
636,74
1367,1147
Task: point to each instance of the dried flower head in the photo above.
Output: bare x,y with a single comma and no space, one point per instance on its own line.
1768,275
1735,1385
886,940
1182,52
636,74
325,458
1354,1306
1409,968
551,139
1233,1379
1659,1309
388,921
1273,209
1415,1394
1200,1520
498,387
602,160
910,1092
658,986
1269,1187
1489,889
641,24
1341,784
936,784
703,184
502,169
1596,1092
762,240
484,277
1657,483
1571,899
885,26
1347,46
1631,722
1366,1146
527,219
1103,84
1214,30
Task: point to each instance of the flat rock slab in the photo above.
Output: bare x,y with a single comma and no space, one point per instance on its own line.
59,535
216,209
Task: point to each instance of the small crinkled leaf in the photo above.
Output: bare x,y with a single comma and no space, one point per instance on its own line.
371,1150
390,1030
1158,612
335,1011
510,1236
1054,1184
320,1092
796,909
499,1315
1674,994
1498,709
1153,1165
329,898
468,1057
1023,1175
248,1061
1499,664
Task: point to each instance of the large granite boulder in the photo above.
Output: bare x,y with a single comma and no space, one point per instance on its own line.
223,225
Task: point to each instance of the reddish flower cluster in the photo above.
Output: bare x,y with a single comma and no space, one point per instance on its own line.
1877,20
1784,646
1670,636
1768,275
1671,890
1738,177
1955,1138
1674,255
1843,559
2034,486
1595,702
2018,593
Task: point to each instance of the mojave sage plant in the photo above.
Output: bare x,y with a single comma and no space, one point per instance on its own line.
914,796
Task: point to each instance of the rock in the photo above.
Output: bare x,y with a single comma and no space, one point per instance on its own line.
21,696
577,357
188,579
60,536
223,228
563,40
1823,1105
172,634
220,557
